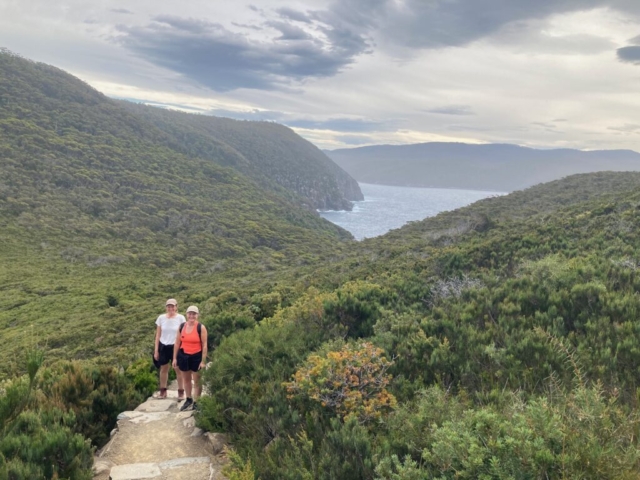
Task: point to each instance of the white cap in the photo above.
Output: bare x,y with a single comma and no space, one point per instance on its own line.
193,308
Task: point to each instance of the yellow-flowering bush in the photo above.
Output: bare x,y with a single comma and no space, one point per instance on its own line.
351,381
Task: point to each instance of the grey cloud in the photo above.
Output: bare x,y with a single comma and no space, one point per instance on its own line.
289,31
629,54
452,110
635,40
244,25
467,128
323,42
354,139
530,36
292,14
223,60
121,10
340,125
626,128
447,23
255,115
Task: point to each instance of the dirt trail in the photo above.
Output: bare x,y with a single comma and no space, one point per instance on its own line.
157,441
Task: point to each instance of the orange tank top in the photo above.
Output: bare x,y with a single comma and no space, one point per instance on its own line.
190,342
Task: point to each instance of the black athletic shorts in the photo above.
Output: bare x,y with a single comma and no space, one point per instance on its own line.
188,362
165,355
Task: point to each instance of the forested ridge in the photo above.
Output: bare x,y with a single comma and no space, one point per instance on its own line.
497,341
265,151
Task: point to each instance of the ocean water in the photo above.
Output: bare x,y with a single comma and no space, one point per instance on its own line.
385,208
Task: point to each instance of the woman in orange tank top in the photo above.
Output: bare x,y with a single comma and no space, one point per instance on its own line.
190,354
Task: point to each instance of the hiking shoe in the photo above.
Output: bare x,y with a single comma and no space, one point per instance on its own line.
180,394
162,393
187,403
195,407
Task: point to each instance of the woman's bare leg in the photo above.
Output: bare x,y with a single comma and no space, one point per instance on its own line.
197,388
164,375
179,378
186,378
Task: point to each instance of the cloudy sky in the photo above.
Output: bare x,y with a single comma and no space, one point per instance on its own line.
544,73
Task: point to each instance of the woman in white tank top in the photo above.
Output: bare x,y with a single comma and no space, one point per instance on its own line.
167,326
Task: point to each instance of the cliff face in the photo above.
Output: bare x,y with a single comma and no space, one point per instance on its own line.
271,154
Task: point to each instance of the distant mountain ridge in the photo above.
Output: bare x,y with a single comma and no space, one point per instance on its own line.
491,167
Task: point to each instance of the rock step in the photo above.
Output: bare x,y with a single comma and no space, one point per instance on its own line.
167,469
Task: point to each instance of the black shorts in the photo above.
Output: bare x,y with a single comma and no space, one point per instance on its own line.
165,355
188,362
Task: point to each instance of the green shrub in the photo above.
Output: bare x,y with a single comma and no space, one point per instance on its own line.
144,376
96,396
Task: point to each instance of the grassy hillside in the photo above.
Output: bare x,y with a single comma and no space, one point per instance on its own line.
492,167
267,152
101,219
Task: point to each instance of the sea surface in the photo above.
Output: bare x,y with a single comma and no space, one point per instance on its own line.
385,208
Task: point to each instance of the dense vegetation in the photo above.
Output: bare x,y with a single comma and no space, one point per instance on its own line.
497,341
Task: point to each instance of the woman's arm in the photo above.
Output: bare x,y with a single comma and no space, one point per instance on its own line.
176,347
203,338
156,350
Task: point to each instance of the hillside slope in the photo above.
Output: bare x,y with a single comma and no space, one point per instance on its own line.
100,219
492,167
465,344
267,152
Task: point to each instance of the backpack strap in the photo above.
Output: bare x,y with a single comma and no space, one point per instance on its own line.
198,327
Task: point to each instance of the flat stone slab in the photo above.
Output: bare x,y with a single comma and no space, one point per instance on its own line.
128,415
196,471
150,417
153,405
183,415
180,462
135,471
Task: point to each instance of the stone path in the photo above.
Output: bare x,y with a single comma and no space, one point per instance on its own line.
158,441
